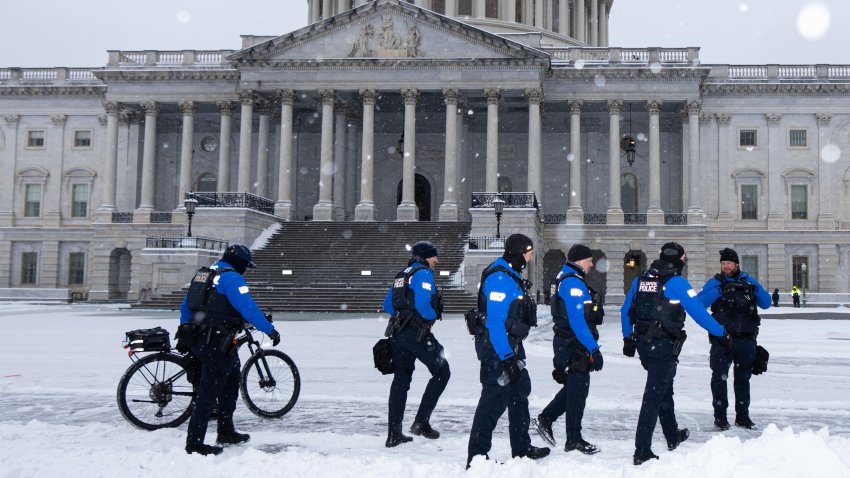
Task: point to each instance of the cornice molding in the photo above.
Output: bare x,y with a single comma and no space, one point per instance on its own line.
53,91
775,89
205,75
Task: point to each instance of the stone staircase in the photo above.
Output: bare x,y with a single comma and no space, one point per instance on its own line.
346,266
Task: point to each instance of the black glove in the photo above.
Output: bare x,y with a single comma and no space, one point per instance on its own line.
268,316
512,369
724,340
595,360
275,336
185,338
560,375
629,346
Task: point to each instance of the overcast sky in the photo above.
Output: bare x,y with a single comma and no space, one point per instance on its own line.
46,33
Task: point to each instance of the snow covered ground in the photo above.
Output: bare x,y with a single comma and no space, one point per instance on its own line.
60,364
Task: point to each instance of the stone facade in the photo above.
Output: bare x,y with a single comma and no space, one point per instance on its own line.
393,112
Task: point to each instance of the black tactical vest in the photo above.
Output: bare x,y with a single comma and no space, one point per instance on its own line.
522,312
210,307
404,299
593,311
650,306
736,308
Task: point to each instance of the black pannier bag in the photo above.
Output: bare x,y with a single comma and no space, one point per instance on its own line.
762,356
148,340
382,353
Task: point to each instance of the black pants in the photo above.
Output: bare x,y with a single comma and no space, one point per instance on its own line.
219,385
572,396
656,356
796,300
743,355
406,350
493,402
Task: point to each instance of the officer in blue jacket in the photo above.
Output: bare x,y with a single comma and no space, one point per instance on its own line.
734,298
503,297
576,312
217,304
653,320
415,303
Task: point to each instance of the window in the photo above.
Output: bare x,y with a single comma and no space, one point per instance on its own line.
748,138
799,202
800,271
82,138
206,183
464,7
749,201
797,138
29,267
79,200
750,265
76,268
35,138
32,200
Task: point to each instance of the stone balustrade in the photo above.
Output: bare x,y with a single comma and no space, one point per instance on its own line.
49,76
637,56
168,59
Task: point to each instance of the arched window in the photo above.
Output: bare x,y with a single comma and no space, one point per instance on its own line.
206,183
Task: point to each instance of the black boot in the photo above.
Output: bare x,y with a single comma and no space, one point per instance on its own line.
681,436
544,429
232,438
721,423
745,422
202,449
397,438
424,429
581,445
535,453
642,457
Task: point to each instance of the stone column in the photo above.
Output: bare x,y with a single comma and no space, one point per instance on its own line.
225,109
528,13
246,132
696,215
341,6
776,149
549,15
186,151
7,200
407,210
264,112
510,10
535,140
538,14
594,23
826,219
448,210
365,209
110,163
326,9
151,110
284,207
492,174
564,17
339,185
323,210
615,209
725,194
451,8
479,9
352,131
603,23
580,21
51,207
575,214
314,11
654,213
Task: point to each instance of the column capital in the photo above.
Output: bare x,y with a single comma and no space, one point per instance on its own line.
286,97
534,95
151,108
654,106
246,97
576,106
102,119
58,120
723,119
112,107
188,107
493,95
225,107
12,120
615,107
328,97
410,95
823,119
368,96
263,107
451,96
773,119
694,107
706,118
128,116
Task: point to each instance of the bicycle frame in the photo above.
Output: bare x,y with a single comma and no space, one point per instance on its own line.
266,380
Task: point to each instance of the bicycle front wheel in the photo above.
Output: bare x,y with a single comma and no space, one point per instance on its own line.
155,393
270,383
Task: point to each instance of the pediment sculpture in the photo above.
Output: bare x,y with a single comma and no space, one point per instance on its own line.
386,42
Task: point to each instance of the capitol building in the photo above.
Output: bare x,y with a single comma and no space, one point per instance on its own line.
429,111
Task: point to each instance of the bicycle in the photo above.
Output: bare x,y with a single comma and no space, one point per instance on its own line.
156,392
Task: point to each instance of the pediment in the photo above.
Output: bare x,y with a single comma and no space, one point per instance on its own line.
386,30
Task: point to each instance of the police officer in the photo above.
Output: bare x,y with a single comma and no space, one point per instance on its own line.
576,311
504,299
795,295
733,297
653,320
217,304
415,303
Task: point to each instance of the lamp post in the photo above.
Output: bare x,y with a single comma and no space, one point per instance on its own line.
190,204
805,280
498,207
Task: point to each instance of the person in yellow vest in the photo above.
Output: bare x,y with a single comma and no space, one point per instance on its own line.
795,294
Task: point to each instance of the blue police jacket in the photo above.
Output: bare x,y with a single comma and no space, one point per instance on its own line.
574,293
423,287
500,291
233,286
676,288
711,290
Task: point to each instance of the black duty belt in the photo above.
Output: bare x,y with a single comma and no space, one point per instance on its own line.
656,330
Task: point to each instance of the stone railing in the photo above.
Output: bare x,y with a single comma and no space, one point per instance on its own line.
168,59
779,72
51,76
183,242
243,200
512,200
122,217
676,219
635,56
492,243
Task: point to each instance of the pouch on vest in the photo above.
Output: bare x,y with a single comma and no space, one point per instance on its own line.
382,354
199,289
762,356
475,321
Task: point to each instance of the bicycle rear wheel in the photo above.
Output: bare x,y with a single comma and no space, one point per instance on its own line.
155,393
270,383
